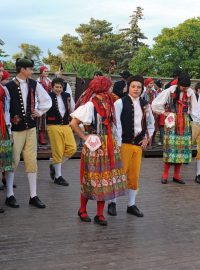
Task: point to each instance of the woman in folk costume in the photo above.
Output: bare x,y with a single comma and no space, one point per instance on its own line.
5,132
176,103
101,173
46,83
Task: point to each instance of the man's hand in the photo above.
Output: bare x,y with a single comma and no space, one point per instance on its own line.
144,143
35,114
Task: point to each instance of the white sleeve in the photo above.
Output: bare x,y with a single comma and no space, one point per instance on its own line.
43,100
72,103
150,122
195,108
7,110
158,104
118,129
84,113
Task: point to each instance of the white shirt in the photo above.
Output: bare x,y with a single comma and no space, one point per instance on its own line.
137,119
61,105
72,103
42,99
158,104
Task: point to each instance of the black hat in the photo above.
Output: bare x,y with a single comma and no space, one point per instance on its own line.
125,74
159,83
184,80
177,72
24,62
98,73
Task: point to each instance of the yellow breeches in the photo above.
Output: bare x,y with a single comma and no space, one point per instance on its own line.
131,159
25,142
62,142
196,137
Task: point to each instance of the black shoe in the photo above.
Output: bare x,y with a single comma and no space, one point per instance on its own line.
35,201
197,179
100,220
179,181
164,181
133,210
4,183
52,171
1,210
12,202
84,218
112,209
61,181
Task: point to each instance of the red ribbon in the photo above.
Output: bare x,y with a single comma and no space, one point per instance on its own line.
180,120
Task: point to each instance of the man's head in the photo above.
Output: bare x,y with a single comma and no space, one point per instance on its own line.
24,66
135,86
125,74
57,86
184,82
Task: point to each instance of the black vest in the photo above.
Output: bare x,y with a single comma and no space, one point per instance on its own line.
20,119
53,115
127,120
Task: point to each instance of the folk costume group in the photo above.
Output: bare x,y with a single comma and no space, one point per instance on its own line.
116,131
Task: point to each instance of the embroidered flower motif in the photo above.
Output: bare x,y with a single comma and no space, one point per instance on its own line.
93,183
16,119
104,183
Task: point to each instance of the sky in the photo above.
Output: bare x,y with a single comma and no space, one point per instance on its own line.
43,23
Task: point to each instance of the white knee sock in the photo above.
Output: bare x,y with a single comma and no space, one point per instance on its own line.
64,159
32,179
9,184
198,167
113,200
57,167
131,197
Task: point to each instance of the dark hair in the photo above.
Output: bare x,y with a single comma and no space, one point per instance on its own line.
184,79
23,63
159,83
57,81
197,86
177,72
98,73
135,78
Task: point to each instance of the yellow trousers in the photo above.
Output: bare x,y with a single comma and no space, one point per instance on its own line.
62,142
196,137
131,159
25,142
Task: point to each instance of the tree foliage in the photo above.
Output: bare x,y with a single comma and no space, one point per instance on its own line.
31,51
174,47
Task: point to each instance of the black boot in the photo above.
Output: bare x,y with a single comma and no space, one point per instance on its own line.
133,210
12,202
35,201
197,179
112,209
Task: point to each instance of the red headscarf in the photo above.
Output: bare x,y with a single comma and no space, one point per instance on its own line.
2,119
6,75
147,81
42,69
98,93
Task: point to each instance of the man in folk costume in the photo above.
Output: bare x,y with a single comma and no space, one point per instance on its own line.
176,103
5,132
63,144
24,111
196,131
46,83
135,126
101,173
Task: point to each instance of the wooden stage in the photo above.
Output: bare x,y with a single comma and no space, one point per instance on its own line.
167,238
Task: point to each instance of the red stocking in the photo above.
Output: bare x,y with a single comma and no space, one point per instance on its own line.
166,170
83,205
177,169
100,208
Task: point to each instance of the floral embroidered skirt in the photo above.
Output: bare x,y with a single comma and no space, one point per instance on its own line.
177,148
5,155
98,181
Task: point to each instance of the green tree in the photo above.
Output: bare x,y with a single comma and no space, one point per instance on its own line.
178,46
132,38
31,51
143,62
53,60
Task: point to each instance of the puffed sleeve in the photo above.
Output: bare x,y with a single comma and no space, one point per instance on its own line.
84,113
158,104
150,122
118,129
